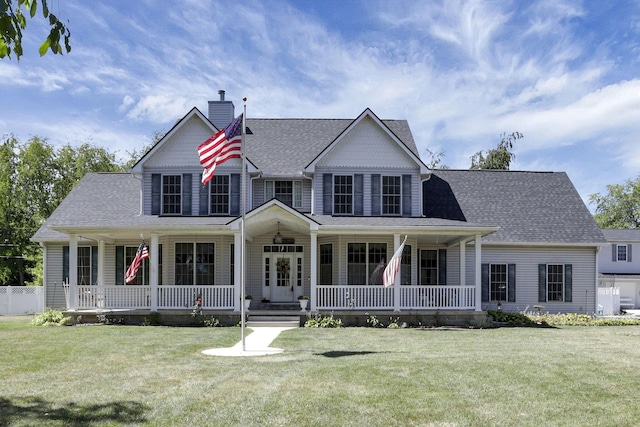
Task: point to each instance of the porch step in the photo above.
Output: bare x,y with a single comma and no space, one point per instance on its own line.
273,321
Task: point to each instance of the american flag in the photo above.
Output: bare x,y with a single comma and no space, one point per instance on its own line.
390,272
141,254
222,146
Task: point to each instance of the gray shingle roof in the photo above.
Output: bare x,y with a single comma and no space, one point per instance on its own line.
617,235
284,146
529,207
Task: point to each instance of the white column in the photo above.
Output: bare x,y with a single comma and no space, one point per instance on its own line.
313,271
154,259
101,244
478,273
463,263
237,270
73,271
396,284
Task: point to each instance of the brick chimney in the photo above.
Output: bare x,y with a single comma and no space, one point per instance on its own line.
221,112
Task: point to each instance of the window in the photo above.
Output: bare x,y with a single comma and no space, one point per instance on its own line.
555,282
363,259
326,264
429,267
288,192
219,195
621,251
343,195
498,282
84,265
232,264
405,266
194,264
142,278
391,195
171,194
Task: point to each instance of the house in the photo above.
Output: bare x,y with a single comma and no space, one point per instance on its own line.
617,267
327,202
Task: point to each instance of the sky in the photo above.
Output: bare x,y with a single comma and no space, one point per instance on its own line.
565,74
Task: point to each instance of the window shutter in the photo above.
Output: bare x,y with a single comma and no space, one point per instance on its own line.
234,196
119,265
358,200
614,253
629,252
484,279
406,195
375,194
203,209
156,187
442,266
542,282
186,194
511,284
568,283
94,265
65,263
327,194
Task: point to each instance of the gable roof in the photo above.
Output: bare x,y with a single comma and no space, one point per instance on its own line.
529,207
620,235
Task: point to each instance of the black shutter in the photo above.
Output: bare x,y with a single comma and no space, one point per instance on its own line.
406,195
156,187
542,282
119,265
94,265
203,203
568,283
629,252
234,194
186,194
358,200
614,252
442,267
327,194
484,280
511,283
65,263
375,194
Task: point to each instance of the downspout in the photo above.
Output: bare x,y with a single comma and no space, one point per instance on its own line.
139,177
313,192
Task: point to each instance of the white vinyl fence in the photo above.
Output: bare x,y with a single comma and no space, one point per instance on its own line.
21,300
608,301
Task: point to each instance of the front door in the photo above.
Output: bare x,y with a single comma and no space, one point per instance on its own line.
282,282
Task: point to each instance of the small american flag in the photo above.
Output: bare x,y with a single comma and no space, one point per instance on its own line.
390,272
132,271
222,146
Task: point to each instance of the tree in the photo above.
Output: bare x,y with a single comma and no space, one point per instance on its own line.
498,158
13,20
435,158
620,208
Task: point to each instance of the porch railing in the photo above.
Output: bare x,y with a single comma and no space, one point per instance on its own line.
362,297
169,297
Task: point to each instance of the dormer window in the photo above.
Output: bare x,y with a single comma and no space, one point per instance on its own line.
219,195
172,194
288,192
391,195
343,195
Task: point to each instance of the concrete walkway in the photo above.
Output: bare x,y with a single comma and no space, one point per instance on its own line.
256,343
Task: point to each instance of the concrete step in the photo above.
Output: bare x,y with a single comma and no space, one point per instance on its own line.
273,321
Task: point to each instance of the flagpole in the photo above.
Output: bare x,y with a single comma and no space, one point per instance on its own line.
243,208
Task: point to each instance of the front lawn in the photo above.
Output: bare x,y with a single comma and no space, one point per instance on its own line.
157,376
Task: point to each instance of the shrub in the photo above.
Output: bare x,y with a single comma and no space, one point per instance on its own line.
50,317
319,321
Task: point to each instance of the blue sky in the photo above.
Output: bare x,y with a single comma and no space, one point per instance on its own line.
563,73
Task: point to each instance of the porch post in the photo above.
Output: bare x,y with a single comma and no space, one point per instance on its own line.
154,259
73,271
396,284
237,271
463,263
313,273
100,263
478,267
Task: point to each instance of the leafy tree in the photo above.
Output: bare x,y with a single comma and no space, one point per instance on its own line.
13,20
498,158
620,208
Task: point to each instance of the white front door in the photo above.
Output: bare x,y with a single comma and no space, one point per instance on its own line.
282,281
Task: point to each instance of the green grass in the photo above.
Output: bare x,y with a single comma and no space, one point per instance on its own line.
157,376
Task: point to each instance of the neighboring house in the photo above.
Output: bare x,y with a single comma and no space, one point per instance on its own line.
327,203
619,268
